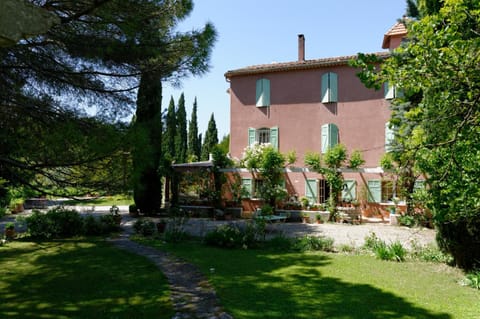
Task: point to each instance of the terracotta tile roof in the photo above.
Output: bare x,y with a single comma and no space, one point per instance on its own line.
398,29
296,65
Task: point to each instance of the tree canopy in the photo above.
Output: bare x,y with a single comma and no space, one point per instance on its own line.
438,117
59,89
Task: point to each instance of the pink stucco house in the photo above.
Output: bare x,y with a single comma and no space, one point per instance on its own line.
308,106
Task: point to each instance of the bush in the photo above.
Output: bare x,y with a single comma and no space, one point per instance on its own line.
472,279
394,251
56,223
144,227
398,252
406,220
93,226
231,236
64,223
429,254
461,239
312,243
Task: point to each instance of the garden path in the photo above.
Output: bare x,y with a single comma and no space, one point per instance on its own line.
191,293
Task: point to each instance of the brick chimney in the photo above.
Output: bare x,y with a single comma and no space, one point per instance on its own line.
301,48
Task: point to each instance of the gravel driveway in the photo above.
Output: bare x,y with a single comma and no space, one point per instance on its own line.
343,234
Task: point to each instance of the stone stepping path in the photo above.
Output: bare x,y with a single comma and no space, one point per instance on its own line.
191,293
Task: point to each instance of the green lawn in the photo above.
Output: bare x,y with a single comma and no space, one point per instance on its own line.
79,279
269,284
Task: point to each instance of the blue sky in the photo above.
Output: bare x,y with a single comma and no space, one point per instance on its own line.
254,32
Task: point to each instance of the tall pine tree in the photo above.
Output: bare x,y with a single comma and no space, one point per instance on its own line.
211,139
194,139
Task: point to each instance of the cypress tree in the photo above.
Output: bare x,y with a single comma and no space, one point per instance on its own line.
194,139
147,186
181,134
211,139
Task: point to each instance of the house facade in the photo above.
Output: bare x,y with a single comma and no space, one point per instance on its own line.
309,106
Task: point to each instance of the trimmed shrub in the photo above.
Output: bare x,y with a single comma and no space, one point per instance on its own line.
144,227
56,223
231,236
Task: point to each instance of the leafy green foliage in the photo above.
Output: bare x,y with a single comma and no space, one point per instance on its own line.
232,236
395,251
313,243
329,165
436,131
65,223
144,227
472,279
356,159
268,163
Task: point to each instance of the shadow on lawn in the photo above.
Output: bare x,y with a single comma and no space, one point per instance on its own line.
70,279
305,293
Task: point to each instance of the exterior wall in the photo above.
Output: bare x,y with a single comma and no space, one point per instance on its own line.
360,114
296,109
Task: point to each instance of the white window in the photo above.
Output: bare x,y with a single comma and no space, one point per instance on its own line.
391,91
263,136
388,137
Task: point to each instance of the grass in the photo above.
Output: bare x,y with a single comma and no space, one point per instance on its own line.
272,284
102,201
79,279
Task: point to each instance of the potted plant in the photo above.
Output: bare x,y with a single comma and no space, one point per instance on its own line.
16,205
305,202
114,210
305,218
9,230
318,217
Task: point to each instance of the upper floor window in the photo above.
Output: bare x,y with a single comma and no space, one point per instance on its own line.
263,136
329,87
389,135
391,91
329,136
262,92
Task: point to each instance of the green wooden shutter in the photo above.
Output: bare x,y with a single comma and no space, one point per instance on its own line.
259,93
374,191
332,135
311,191
329,87
329,136
247,186
333,84
325,93
266,92
349,190
251,136
263,92
274,137
389,91
324,138
388,137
